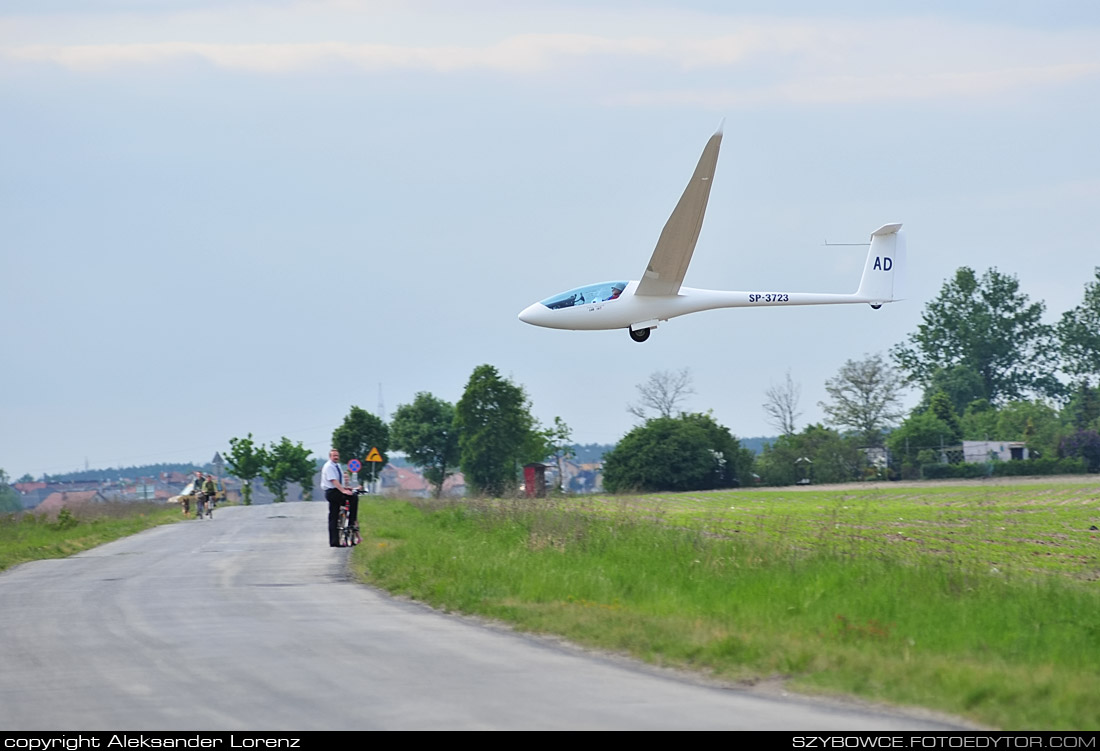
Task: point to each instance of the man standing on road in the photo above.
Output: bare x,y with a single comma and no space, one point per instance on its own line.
335,493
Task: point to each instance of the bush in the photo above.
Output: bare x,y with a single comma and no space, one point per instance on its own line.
65,519
943,471
1043,466
689,452
1085,445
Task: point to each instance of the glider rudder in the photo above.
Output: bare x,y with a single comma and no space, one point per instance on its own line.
881,280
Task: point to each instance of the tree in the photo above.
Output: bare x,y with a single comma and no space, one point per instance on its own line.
1036,423
979,421
831,458
688,452
919,440
9,498
989,327
425,431
735,463
782,405
1083,409
962,385
559,439
302,470
496,433
940,405
1084,444
662,393
1079,335
287,462
357,435
245,461
866,397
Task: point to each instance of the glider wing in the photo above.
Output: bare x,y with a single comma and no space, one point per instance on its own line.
669,263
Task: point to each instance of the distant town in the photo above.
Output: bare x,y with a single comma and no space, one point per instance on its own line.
165,482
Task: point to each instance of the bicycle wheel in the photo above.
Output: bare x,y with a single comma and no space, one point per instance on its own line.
342,528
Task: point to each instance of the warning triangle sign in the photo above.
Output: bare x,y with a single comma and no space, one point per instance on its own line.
374,456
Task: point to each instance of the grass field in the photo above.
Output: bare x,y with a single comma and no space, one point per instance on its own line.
978,599
30,537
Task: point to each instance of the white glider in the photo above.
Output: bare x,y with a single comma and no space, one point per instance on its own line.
639,306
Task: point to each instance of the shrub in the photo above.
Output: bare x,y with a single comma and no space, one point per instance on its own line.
1085,445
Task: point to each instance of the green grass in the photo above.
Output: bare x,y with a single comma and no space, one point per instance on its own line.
977,600
30,537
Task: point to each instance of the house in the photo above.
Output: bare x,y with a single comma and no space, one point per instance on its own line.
455,485
142,489
979,452
70,499
29,487
31,493
403,481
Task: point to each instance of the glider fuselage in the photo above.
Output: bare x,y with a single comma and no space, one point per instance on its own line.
630,308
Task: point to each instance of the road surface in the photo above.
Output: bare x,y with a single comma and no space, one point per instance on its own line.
250,622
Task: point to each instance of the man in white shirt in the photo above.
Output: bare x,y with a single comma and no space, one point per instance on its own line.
335,493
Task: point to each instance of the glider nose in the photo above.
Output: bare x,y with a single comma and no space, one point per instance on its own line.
531,314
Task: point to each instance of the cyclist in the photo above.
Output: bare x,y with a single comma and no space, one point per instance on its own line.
336,493
196,495
209,490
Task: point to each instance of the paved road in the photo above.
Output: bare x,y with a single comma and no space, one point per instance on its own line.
249,622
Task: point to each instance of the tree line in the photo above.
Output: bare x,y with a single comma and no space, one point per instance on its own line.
489,434
278,465
988,369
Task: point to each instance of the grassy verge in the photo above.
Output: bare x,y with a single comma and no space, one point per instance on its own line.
29,537
980,605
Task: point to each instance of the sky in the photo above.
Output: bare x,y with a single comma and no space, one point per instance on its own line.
229,217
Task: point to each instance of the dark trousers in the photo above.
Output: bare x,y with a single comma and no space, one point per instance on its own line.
335,500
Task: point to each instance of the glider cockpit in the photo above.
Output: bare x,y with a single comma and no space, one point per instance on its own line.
592,293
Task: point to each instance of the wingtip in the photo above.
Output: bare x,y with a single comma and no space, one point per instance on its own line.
887,229
721,127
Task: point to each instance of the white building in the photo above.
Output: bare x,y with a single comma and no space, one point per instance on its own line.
979,452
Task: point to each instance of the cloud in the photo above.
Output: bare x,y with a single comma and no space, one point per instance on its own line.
719,61
851,89
524,53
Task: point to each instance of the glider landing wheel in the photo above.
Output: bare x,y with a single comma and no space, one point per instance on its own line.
876,307
640,335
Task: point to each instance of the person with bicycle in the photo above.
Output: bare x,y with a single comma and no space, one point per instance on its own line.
209,491
195,495
337,494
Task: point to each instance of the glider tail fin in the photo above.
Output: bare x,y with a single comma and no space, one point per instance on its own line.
883,273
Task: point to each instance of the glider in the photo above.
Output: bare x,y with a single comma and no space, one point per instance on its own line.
639,306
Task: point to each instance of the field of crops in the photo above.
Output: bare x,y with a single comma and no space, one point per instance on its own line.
1018,526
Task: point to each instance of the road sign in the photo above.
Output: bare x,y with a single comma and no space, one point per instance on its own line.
374,456
354,465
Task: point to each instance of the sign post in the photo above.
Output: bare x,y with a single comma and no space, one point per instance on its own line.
375,459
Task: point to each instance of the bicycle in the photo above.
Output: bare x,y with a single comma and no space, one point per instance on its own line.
346,532
203,503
